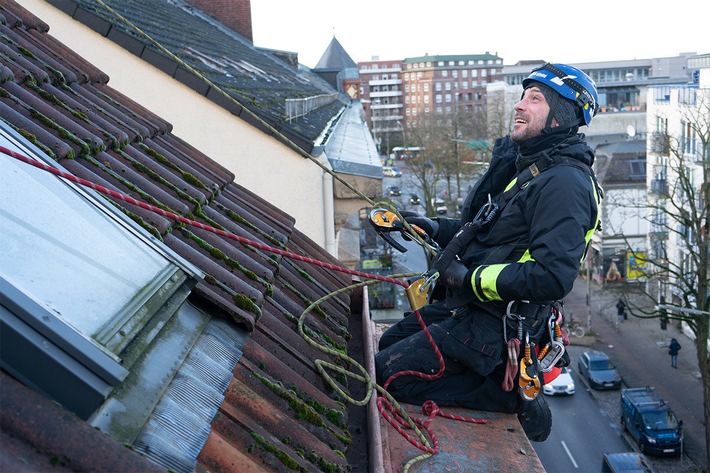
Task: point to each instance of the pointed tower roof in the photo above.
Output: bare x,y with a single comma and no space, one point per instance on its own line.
335,57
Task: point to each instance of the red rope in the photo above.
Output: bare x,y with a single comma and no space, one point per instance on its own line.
430,408
193,223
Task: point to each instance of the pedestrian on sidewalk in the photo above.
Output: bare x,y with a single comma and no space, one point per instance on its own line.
621,310
673,350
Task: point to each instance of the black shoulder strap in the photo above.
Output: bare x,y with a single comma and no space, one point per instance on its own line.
543,163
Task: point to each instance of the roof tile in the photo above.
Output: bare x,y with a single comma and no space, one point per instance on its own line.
277,410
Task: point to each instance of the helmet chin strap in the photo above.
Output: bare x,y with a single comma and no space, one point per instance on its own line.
550,115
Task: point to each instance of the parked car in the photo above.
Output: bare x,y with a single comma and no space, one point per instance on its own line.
651,421
625,462
563,384
394,191
440,206
414,199
599,371
391,171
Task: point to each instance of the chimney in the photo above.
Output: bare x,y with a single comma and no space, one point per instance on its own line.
236,14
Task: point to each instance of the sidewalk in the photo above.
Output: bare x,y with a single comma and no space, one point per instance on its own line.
639,349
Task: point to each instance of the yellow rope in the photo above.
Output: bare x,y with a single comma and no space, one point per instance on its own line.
273,130
365,377
320,364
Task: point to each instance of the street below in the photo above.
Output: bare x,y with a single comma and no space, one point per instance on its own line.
639,349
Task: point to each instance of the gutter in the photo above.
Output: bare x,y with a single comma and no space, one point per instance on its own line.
375,445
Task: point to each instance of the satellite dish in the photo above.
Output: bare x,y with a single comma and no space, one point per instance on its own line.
631,131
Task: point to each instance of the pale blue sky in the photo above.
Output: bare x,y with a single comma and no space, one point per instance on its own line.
573,32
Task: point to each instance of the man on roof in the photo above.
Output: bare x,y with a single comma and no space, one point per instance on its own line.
536,208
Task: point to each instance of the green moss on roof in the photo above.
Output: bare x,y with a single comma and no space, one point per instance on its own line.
188,177
302,409
63,132
234,216
282,456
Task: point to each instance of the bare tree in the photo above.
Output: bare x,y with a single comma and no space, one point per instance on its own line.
679,217
449,151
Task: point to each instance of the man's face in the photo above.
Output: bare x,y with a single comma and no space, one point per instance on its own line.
530,115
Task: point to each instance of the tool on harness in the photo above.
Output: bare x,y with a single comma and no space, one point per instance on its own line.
386,222
528,381
513,346
553,351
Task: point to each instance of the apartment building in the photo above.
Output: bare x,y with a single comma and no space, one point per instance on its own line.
444,84
382,100
677,119
397,94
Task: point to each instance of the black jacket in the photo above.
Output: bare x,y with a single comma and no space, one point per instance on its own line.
534,248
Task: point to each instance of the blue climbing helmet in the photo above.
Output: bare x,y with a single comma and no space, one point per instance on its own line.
571,84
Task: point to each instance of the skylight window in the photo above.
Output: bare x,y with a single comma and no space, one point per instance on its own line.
82,288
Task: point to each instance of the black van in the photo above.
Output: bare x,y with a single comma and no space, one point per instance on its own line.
626,462
650,421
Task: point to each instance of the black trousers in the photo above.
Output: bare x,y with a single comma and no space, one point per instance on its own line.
467,340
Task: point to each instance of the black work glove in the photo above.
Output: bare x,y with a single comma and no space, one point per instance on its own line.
431,227
457,275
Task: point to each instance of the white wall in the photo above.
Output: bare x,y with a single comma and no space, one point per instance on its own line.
260,163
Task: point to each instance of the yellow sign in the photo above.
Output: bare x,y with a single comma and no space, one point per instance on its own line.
636,266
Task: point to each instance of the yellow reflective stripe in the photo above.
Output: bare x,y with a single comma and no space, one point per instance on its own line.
511,184
526,257
474,278
489,276
590,234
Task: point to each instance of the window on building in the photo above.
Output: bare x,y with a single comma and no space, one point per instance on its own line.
426,86
426,99
447,98
437,98
474,72
447,86
438,86
455,74
638,169
444,73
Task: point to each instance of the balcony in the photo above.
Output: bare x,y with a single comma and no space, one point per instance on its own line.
659,187
386,93
660,143
378,82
